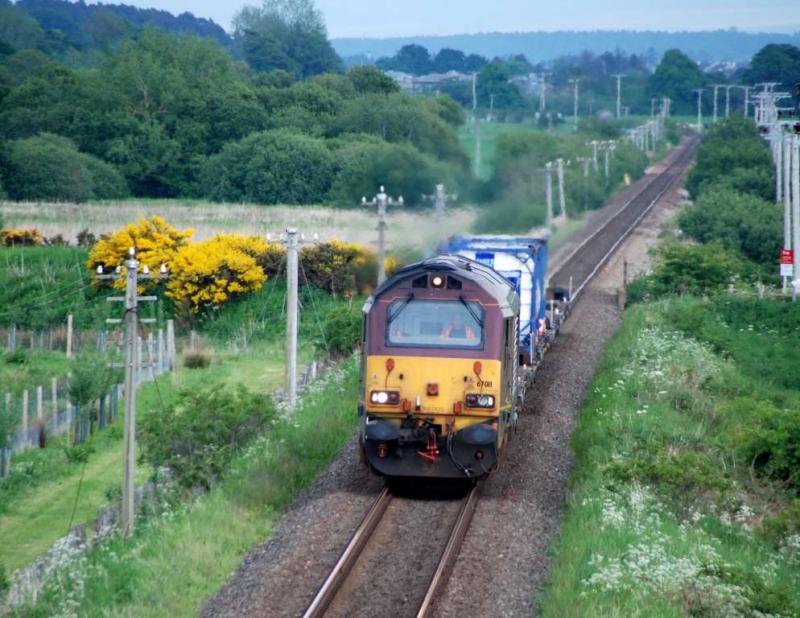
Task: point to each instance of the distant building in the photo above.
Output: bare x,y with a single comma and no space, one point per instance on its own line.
427,83
528,84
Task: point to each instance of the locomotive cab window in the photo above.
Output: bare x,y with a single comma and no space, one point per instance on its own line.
435,324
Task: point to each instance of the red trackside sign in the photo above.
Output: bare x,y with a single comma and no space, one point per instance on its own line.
787,259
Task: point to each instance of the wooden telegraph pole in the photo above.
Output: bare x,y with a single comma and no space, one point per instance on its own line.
382,200
132,365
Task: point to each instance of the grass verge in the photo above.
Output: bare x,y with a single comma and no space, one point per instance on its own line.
677,506
177,559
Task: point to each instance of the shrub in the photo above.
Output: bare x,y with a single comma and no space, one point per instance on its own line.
688,269
741,222
197,436
155,240
681,476
338,268
79,453
778,526
210,273
341,331
5,583
364,163
730,145
400,118
271,167
57,241
371,80
771,443
50,167
85,238
89,379
196,359
21,238
20,356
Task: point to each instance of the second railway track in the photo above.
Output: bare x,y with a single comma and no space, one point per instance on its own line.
580,266
586,260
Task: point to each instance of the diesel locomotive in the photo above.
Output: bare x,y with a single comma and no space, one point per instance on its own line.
440,388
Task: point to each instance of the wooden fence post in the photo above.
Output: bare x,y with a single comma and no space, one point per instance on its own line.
69,336
160,365
171,344
12,338
25,419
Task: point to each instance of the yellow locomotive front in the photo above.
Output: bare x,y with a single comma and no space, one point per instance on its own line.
438,374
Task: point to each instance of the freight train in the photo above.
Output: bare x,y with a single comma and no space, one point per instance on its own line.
449,346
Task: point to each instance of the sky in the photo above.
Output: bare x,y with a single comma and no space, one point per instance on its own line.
389,18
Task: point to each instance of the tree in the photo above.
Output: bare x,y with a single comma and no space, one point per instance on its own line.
371,80
50,167
676,76
775,63
743,223
364,163
271,167
493,80
289,35
401,118
449,60
413,59
728,146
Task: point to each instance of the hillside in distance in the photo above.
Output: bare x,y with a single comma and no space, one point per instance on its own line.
99,25
708,46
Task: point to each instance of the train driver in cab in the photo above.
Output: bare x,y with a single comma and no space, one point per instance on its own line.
458,329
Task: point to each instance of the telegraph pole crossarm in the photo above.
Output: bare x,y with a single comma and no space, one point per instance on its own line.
440,198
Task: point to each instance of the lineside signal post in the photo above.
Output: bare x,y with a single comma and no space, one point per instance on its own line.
132,365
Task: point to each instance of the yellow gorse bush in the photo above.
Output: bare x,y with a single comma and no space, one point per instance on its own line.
339,267
207,274
21,237
155,240
212,272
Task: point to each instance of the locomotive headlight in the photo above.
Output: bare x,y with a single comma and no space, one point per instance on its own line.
383,398
437,281
479,401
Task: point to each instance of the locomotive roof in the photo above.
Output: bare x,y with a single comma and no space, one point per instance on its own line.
486,278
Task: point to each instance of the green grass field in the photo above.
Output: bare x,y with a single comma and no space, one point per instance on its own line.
176,561
669,512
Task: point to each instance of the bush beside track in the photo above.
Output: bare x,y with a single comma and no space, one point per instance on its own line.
682,498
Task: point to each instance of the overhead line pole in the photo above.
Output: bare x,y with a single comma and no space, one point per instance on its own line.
382,200
699,92
786,144
796,215
619,77
562,200
548,168
292,321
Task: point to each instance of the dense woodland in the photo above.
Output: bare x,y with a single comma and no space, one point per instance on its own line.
107,101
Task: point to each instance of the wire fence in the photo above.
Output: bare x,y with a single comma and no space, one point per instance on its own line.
37,414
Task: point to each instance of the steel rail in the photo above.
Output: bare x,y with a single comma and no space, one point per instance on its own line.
668,177
450,553
338,575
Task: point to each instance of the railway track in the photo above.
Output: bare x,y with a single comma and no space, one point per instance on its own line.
586,260
326,596
580,266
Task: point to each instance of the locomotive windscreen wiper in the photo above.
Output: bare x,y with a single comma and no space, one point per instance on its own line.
399,310
474,315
